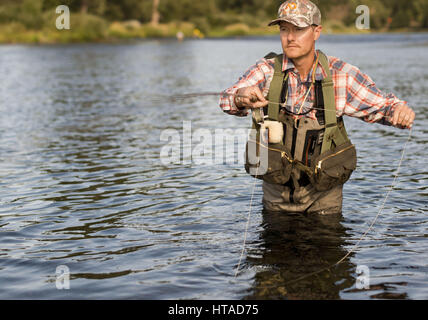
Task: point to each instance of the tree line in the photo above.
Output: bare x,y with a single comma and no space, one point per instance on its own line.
212,13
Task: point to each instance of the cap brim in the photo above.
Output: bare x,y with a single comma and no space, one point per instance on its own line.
279,20
276,21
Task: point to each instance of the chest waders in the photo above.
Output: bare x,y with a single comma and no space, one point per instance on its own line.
309,151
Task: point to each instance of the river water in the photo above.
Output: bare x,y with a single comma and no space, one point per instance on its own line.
87,191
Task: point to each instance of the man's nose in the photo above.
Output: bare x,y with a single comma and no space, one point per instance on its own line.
291,37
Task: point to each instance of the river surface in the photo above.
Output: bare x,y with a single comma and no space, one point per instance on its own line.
93,205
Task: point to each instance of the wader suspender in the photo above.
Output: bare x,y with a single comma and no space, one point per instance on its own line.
335,159
276,89
274,94
334,135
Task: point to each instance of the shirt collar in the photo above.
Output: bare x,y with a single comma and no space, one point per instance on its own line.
288,65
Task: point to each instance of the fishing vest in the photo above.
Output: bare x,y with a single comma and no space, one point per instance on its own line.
283,151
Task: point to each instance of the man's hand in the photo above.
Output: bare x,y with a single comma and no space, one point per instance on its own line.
403,117
250,97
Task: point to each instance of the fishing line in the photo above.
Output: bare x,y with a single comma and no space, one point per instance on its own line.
354,248
247,224
384,200
371,225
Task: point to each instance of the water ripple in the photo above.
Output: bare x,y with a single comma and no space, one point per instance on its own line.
83,185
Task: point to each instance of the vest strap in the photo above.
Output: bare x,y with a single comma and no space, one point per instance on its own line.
275,89
332,132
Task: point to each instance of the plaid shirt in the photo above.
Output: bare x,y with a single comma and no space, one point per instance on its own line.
356,94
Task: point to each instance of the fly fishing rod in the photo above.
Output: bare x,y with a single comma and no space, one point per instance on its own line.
251,98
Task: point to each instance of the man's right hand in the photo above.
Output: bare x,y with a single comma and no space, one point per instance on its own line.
250,97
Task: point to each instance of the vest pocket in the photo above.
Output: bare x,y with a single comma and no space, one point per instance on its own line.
334,167
269,163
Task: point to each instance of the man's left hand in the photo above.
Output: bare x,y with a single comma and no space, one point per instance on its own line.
403,117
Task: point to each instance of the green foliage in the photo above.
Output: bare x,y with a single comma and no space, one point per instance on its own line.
30,14
121,10
27,12
185,10
8,13
421,12
393,14
88,27
98,19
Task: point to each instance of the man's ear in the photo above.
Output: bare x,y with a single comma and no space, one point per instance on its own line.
317,32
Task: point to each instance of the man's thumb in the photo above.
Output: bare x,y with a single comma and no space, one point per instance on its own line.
260,95
260,104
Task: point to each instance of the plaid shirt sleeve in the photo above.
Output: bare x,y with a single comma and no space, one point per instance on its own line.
259,75
355,92
363,99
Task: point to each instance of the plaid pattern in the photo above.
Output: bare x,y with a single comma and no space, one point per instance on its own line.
356,94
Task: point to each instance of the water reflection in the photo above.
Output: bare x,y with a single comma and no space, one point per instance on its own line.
82,184
293,246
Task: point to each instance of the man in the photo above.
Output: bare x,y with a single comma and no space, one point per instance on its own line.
293,95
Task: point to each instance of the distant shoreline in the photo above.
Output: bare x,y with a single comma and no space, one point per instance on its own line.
97,31
172,38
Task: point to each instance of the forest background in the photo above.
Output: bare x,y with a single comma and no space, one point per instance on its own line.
34,21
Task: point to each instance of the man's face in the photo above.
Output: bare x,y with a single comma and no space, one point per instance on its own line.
298,42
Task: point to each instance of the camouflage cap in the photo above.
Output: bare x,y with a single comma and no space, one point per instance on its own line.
301,13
